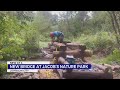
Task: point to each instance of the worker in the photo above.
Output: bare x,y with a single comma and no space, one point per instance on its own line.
57,34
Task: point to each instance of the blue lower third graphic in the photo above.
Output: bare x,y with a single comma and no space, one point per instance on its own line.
49,66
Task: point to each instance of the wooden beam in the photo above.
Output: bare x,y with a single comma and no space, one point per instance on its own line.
75,53
60,46
101,67
61,60
87,75
74,46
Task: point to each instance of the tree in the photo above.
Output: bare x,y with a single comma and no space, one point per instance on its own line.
115,15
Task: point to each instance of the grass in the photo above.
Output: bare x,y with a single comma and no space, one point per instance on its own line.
100,61
113,58
104,61
43,44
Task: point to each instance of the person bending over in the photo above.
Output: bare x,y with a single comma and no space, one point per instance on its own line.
57,34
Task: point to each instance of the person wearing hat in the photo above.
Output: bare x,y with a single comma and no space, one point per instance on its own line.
57,34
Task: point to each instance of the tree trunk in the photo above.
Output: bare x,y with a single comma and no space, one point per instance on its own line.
116,21
114,28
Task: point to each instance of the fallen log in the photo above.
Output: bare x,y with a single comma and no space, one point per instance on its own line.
88,53
52,48
75,53
60,72
87,75
61,60
107,65
48,56
44,52
65,42
116,67
68,49
74,46
60,46
82,47
63,54
101,67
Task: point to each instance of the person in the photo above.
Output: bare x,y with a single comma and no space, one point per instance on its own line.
57,34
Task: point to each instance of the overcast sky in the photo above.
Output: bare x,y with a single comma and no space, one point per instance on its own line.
57,12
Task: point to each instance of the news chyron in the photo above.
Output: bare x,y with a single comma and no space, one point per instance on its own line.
34,66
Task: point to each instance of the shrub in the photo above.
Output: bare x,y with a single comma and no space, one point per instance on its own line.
3,69
114,57
11,52
99,41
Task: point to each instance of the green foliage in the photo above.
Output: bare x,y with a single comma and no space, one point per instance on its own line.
13,36
99,41
3,69
1,56
42,23
43,44
12,52
114,57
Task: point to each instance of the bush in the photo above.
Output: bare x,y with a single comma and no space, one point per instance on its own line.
114,57
3,69
99,41
12,52
43,44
